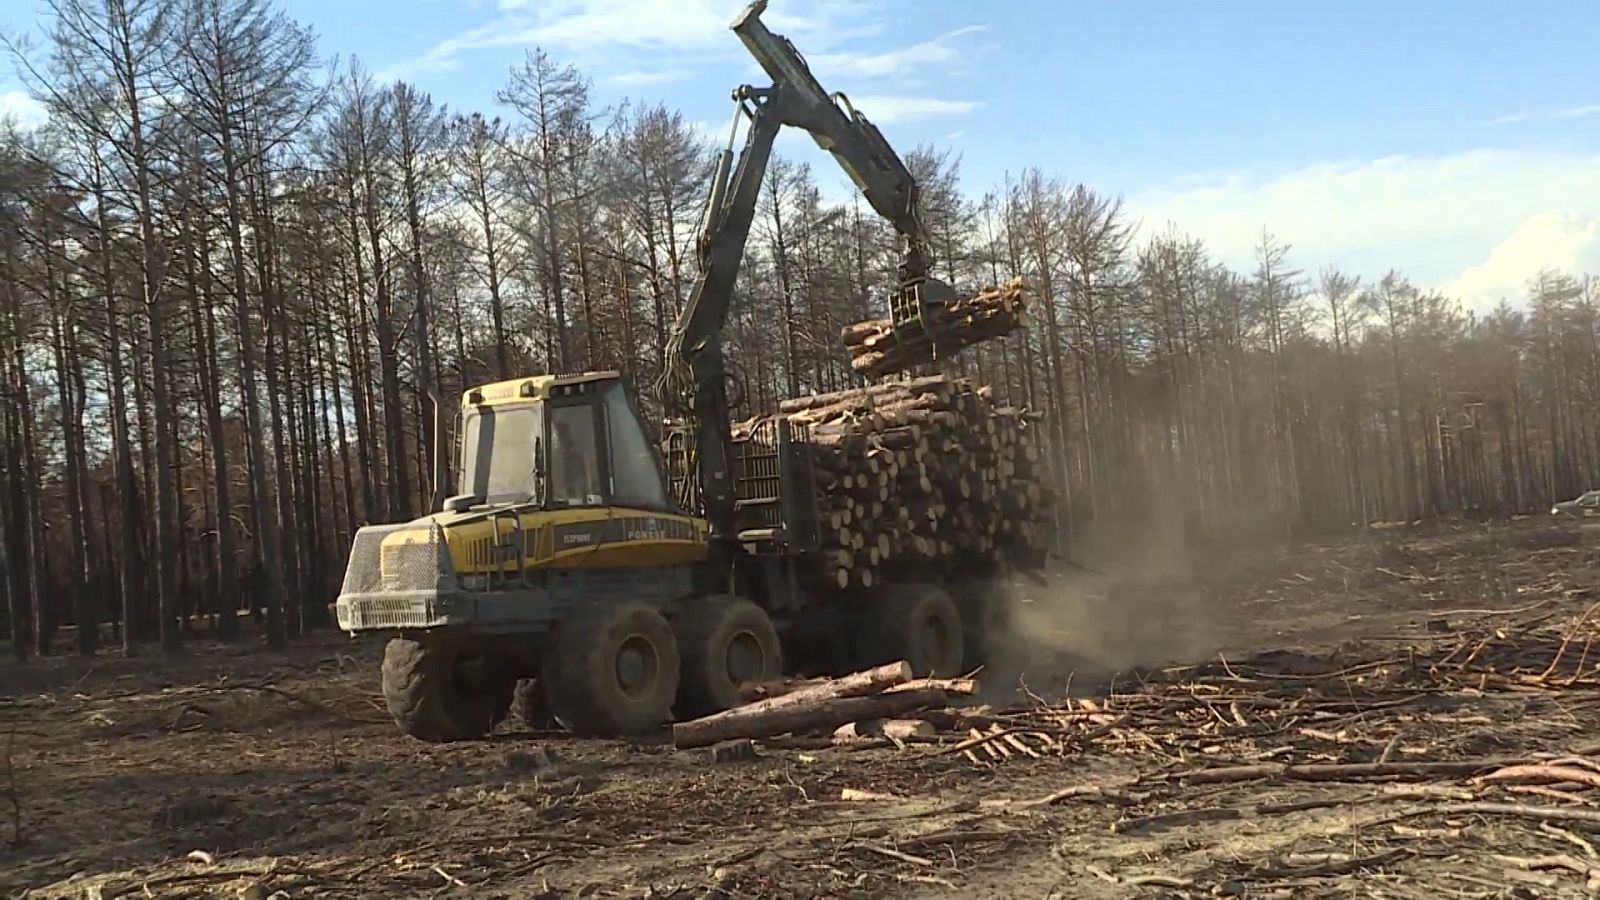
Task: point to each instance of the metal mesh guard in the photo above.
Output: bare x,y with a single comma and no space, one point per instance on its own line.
417,561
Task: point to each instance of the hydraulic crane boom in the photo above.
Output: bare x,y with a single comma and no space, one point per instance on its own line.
859,148
694,385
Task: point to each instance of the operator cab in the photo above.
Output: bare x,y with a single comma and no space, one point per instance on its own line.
557,442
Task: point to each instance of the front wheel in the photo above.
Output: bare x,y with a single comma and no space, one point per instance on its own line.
439,692
612,671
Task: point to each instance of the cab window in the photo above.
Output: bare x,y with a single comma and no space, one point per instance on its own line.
574,458
635,476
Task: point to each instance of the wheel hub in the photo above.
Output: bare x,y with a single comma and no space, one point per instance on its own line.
744,659
637,666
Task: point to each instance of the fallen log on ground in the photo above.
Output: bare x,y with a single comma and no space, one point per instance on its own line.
1340,771
1556,772
766,690
894,729
1321,865
948,685
856,684
760,720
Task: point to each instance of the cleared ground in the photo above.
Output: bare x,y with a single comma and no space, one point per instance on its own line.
1409,715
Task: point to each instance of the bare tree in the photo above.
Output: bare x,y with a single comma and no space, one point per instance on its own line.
553,100
242,68
479,159
419,154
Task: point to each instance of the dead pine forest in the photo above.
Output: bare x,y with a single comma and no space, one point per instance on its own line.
237,272
1303,557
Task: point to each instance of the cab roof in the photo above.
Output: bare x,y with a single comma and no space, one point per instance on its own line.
530,387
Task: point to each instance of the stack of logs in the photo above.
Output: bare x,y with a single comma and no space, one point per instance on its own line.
925,475
877,349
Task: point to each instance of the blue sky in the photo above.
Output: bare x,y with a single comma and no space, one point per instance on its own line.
1458,141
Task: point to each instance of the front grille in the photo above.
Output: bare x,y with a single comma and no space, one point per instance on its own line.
398,558
388,612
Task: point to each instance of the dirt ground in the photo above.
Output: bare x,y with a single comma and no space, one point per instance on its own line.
1406,715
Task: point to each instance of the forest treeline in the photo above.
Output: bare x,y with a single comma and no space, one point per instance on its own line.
235,274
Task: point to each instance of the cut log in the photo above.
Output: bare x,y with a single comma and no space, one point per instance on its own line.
857,684
857,795
850,732
766,690
966,686
923,478
895,729
904,729
839,399
878,349
761,720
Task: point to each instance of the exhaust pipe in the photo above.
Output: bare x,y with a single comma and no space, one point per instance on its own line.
440,471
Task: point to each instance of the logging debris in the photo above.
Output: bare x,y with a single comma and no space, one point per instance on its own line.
1363,746
878,349
1273,718
1333,666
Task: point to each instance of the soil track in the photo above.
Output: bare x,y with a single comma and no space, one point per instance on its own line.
1427,667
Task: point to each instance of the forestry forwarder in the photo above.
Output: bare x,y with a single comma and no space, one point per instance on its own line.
571,579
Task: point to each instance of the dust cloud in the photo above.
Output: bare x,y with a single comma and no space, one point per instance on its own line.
1148,593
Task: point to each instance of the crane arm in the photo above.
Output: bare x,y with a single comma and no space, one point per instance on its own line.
858,147
693,387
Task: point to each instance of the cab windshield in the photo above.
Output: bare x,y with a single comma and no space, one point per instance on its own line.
498,453
591,449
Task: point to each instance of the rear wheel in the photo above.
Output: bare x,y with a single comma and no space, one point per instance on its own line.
611,670
920,624
439,692
725,642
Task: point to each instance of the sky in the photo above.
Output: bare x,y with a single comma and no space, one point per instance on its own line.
1457,141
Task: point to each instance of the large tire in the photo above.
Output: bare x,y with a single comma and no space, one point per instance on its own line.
439,692
920,624
611,670
725,642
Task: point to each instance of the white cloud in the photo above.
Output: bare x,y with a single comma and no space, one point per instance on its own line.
638,23
1571,112
23,109
1551,240
938,54
882,108
1434,218
679,26
645,78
